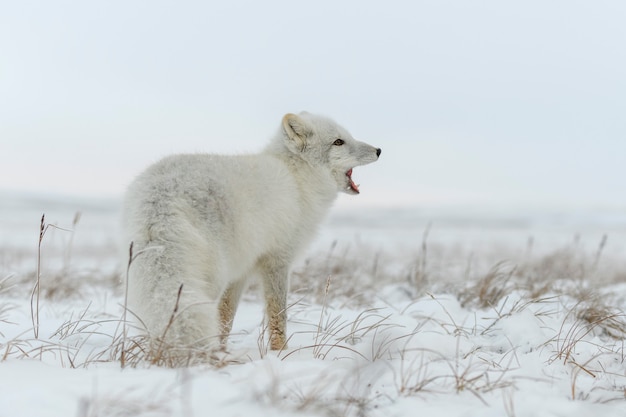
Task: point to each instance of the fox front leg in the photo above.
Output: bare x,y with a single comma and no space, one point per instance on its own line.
275,285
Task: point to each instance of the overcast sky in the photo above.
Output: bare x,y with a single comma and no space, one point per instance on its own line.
472,102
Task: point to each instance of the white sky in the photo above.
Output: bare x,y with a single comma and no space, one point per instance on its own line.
482,102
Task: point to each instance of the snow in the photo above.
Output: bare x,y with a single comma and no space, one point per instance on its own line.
377,341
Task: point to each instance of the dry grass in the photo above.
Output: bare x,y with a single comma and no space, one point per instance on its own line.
355,272
569,281
488,290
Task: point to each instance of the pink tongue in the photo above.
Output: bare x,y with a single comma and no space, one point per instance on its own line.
352,184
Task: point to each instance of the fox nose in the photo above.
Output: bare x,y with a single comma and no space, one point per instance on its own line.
378,151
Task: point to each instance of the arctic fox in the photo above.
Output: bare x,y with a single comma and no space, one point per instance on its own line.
202,224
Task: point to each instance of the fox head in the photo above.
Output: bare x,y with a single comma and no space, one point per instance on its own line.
324,144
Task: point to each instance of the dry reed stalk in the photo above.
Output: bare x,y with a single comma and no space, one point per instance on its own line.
36,292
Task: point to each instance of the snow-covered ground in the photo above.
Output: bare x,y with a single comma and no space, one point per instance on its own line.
394,313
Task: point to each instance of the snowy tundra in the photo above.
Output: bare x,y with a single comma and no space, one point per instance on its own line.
202,224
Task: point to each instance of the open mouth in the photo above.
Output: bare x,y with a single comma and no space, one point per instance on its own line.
351,185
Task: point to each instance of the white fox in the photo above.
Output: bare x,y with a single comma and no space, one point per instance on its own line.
209,222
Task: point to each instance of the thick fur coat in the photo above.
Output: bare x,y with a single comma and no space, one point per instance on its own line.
209,222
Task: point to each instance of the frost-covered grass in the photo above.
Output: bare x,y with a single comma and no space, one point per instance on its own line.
430,329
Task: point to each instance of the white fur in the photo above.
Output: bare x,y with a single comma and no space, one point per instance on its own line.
209,222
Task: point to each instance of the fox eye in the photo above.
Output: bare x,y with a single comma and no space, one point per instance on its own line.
338,142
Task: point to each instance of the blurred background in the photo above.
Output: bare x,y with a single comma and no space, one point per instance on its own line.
485,104
502,123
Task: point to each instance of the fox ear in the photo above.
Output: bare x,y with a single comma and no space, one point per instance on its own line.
296,130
